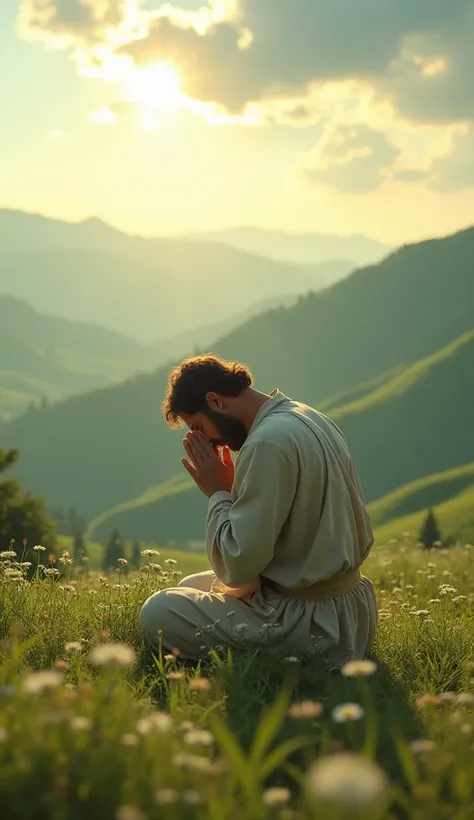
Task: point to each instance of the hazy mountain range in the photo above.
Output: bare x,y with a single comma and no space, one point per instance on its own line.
301,248
149,289
388,352
47,358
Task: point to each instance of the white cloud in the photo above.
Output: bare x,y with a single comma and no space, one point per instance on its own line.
350,158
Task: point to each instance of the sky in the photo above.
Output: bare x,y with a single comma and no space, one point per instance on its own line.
327,116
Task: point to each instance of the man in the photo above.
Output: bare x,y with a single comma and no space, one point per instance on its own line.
286,532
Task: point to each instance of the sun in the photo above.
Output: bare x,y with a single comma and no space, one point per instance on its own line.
155,88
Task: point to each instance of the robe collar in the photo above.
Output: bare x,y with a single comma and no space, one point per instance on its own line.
276,399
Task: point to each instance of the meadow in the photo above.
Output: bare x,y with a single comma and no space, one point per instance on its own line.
92,725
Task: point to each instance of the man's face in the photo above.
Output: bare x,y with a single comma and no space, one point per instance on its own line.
219,427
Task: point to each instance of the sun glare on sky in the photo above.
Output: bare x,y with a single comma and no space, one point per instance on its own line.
156,89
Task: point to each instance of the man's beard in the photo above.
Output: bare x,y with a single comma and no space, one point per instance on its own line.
232,432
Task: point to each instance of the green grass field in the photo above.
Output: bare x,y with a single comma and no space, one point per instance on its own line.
110,732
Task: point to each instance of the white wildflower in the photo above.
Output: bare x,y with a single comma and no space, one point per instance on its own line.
159,723
192,797
422,747
113,654
198,737
276,797
305,710
73,646
241,628
80,723
129,739
35,683
39,548
347,779
166,797
347,712
358,669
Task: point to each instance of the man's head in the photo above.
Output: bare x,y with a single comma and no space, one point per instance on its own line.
206,393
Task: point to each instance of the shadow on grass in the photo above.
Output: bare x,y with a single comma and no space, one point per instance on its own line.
253,681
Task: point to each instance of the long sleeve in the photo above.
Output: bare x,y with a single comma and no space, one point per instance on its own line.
242,527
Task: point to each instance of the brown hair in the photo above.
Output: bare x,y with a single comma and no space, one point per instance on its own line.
189,383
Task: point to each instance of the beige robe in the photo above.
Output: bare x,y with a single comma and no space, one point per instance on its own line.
295,516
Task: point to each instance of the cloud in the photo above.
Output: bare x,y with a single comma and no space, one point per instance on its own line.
419,53
352,159
411,175
372,66
73,23
455,170
234,52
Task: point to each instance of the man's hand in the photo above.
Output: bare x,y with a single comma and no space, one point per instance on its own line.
210,472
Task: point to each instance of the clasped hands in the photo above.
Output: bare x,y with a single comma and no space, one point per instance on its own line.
211,471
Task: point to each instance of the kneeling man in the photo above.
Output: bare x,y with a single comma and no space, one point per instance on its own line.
287,530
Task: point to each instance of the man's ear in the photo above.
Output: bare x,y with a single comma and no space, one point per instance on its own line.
214,401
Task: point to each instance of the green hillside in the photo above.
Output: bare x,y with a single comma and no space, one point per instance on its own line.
417,424
104,448
455,517
418,496
402,425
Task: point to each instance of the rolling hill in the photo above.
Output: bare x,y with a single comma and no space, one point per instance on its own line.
416,497
357,341
43,357
455,517
149,289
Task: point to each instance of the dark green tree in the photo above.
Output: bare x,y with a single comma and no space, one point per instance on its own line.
135,558
23,517
114,549
79,549
430,533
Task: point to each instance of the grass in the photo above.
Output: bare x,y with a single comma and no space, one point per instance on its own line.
130,741
190,560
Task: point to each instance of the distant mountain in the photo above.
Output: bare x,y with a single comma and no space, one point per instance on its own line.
187,343
396,435
43,357
145,288
303,248
346,344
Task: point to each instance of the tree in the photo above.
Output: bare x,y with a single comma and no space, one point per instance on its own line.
135,558
23,517
79,548
430,533
114,550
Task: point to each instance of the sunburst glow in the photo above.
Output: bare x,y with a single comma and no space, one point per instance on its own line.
156,88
